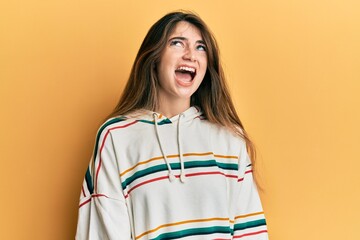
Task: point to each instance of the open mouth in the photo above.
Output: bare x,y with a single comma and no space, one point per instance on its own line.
185,74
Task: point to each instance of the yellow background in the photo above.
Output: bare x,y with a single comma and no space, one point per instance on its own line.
293,68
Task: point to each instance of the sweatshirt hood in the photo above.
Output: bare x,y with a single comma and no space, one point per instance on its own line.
147,116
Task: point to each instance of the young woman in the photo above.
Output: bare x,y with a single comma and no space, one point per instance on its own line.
172,161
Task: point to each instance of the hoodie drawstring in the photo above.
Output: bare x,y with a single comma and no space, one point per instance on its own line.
170,171
182,171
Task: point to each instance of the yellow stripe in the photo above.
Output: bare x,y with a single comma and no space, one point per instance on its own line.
197,154
182,222
147,161
223,156
248,215
175,156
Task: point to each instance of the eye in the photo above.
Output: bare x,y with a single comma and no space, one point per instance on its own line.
177,43
201,48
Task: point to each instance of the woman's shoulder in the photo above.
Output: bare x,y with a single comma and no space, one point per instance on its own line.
125,121
225,133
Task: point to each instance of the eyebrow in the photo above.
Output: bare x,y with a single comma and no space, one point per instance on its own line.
185,39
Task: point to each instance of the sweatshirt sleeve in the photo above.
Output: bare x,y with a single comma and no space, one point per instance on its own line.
249,220
103,211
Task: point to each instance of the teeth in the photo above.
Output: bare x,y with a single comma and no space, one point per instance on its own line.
189,69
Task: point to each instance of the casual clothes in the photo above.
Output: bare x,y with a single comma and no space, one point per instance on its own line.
153,177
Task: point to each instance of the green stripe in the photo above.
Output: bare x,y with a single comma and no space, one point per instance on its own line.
251,224
105,125
165,121
89,182
193,232
176,166
116,120
88,176
228,166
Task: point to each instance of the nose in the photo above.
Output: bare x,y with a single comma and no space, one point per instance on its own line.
189,54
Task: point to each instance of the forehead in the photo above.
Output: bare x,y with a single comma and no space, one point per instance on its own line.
186,29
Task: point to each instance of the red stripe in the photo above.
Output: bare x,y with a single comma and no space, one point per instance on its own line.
99,166
83,191
87,201
99,195
177,176
148,181
241,179
124,126
92,196
250,234
210,173
102,146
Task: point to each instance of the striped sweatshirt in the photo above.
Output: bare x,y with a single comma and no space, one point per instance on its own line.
158,178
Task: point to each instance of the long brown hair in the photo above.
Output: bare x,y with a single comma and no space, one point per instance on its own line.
212,96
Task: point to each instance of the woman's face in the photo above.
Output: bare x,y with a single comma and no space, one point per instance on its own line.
182,65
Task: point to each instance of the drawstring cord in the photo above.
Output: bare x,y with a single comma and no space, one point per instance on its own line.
170,171
182,172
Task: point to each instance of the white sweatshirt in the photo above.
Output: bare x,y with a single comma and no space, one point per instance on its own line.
151,177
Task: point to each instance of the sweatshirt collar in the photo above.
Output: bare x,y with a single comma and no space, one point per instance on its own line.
148,116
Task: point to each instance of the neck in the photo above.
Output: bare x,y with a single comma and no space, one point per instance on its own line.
170,108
